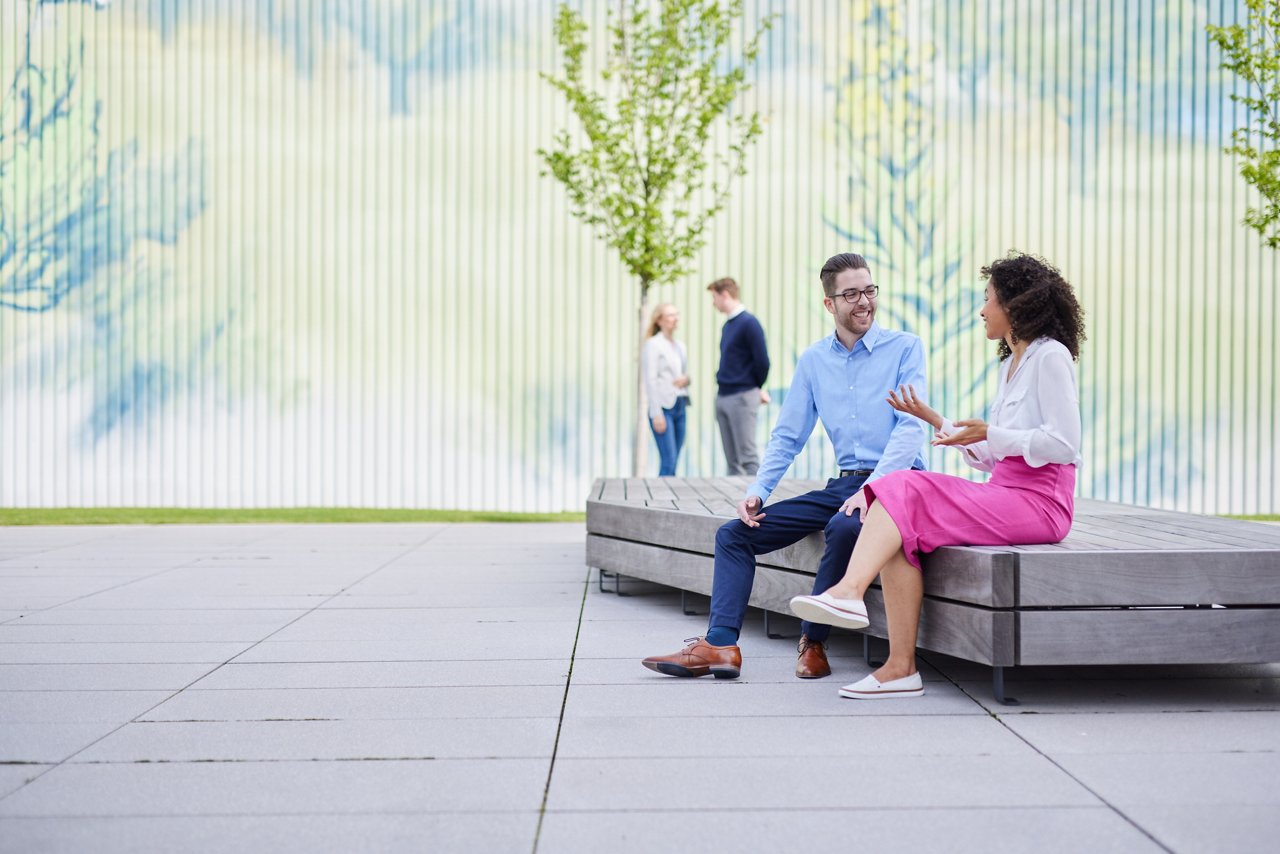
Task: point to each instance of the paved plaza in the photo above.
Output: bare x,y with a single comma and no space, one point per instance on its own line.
468,688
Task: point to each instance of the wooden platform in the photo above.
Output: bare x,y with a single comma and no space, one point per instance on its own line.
1130,585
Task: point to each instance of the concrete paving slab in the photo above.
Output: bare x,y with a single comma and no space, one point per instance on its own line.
85,615
28,602
1210,828
1132,695
99,677
48,742
1064,830
393,581
747,783
386,674
400,618
1169,779
757,669
1164,732
130,600
447,645
362,703
458,594
663,696
458,738
76,706
120,653
267,788
788,736
280,834
507,634
195,633
14,777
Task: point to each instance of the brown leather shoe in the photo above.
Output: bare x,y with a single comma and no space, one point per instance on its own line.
698,659
812,663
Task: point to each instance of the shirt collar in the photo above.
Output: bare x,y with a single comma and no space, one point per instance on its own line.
737,311
869,340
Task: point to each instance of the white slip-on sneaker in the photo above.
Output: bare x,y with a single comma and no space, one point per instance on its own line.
830,611
872,689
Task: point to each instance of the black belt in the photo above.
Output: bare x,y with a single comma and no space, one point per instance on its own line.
856,472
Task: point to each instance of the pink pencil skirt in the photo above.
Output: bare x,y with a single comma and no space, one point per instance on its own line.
1019,505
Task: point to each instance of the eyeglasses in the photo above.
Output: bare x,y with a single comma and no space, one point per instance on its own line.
852,296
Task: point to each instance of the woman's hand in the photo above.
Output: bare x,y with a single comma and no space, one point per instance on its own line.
906,400
857,502
968,432
659,424
680,382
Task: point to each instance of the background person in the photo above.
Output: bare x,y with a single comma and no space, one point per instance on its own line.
665,365
744,367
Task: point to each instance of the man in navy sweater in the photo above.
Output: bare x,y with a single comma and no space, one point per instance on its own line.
744,366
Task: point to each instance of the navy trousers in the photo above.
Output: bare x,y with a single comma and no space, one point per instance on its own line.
784,523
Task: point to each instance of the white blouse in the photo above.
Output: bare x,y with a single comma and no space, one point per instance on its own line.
663,361
1036,413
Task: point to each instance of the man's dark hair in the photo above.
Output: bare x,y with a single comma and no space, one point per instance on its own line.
1038,301
837,264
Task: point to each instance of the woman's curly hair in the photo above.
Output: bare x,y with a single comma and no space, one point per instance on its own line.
1038,301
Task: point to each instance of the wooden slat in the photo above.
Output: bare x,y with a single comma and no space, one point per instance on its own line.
1216,636
1148,578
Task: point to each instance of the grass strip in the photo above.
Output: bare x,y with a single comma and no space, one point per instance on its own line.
258,515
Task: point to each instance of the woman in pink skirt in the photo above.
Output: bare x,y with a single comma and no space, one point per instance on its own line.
1031,447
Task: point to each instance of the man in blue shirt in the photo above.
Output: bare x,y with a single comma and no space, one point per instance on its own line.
744,366
843,380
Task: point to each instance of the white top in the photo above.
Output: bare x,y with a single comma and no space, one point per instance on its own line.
662,361
1036,414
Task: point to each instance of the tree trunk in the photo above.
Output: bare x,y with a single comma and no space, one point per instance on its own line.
640,447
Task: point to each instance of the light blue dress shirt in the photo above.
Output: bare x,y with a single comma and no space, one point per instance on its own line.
847,390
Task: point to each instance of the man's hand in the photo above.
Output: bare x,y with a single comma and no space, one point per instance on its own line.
749,511
764,397
906,400
856,502
659,424
970,431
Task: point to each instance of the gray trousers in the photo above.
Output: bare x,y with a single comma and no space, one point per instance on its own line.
736,415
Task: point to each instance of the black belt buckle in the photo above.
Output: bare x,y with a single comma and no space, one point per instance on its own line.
855,472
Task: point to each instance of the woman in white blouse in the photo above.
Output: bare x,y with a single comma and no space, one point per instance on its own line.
664,363
1031,447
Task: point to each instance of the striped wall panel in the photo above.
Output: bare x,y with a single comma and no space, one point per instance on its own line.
296,253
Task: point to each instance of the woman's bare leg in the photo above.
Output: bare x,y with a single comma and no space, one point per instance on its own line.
878,552
878,543
903,587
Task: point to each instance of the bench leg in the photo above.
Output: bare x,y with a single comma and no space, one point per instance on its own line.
997,688
617,582
684,604
767,633
866,652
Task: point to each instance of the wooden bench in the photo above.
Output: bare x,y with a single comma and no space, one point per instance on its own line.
1130,585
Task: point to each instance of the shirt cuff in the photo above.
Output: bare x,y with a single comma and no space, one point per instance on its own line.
1004,442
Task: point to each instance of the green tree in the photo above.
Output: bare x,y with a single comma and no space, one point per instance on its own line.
643,172
1252,53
